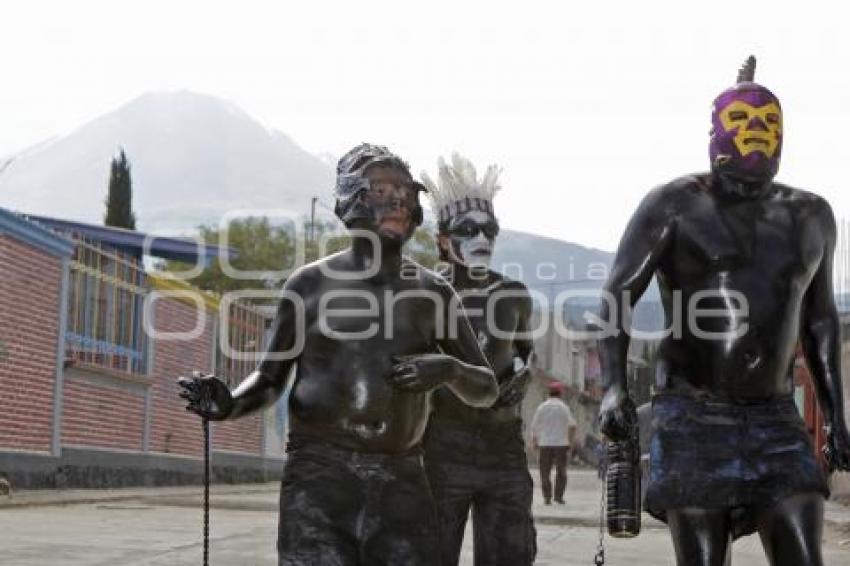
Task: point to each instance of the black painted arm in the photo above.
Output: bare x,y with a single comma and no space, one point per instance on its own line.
512,390
646,237
264,386
523,344
472,379
821,335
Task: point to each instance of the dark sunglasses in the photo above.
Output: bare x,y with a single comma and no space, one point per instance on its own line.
472,229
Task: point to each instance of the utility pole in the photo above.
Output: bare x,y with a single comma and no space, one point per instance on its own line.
313,218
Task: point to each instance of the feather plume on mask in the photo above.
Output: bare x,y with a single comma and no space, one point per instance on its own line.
458,189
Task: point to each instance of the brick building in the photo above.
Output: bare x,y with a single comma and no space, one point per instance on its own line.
90,347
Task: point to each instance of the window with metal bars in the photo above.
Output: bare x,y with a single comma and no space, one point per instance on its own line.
245,332
104,329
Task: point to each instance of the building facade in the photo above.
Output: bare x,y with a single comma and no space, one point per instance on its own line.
91,346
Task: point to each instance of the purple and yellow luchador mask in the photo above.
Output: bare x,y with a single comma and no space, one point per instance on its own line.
746,129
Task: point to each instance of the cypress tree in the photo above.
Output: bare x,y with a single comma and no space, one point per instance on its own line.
119,200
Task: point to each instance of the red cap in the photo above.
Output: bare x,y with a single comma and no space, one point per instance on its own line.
556,387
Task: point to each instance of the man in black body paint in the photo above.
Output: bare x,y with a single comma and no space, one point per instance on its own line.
474,456
750,261
375,343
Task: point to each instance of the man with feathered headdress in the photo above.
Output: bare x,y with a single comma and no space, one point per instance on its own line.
475,458
751,260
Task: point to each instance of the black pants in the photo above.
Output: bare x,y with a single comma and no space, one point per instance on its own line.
344,508
557,456
483,470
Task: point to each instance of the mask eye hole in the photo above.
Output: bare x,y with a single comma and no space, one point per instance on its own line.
378,188
466,230
491,231
737,115
772,118
408,193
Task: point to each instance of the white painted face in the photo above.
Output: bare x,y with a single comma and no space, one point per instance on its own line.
471,238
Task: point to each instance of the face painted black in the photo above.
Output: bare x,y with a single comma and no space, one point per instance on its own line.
392,199
355,172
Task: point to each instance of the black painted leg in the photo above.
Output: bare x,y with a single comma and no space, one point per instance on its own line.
791,531
700,536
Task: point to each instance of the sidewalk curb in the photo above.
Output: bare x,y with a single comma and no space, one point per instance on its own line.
46,498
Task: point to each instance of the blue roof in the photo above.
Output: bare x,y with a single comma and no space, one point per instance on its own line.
20,227
138,243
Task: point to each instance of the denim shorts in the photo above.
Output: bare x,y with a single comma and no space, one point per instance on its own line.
743,457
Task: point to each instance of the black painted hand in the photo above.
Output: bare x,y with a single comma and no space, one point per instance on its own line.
423,372
207,396
617,414
513,389
837,449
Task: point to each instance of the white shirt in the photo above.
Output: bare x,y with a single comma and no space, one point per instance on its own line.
552,422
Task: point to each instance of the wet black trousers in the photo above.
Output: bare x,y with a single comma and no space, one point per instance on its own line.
344,508
485,471
553,456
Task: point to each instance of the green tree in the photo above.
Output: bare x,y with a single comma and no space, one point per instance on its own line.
423,246
258,246
261,246
325,235
119,200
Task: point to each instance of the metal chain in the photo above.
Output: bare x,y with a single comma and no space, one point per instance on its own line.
206,492
599,558
205,403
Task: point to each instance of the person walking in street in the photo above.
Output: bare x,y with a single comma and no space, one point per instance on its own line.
553,432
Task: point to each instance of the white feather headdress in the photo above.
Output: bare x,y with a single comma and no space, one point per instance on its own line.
458,189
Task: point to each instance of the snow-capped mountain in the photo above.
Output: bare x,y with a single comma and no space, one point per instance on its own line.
194,157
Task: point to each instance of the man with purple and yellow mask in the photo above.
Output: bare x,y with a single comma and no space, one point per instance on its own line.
746,135
744,266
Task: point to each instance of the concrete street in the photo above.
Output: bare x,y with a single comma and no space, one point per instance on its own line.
162,526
